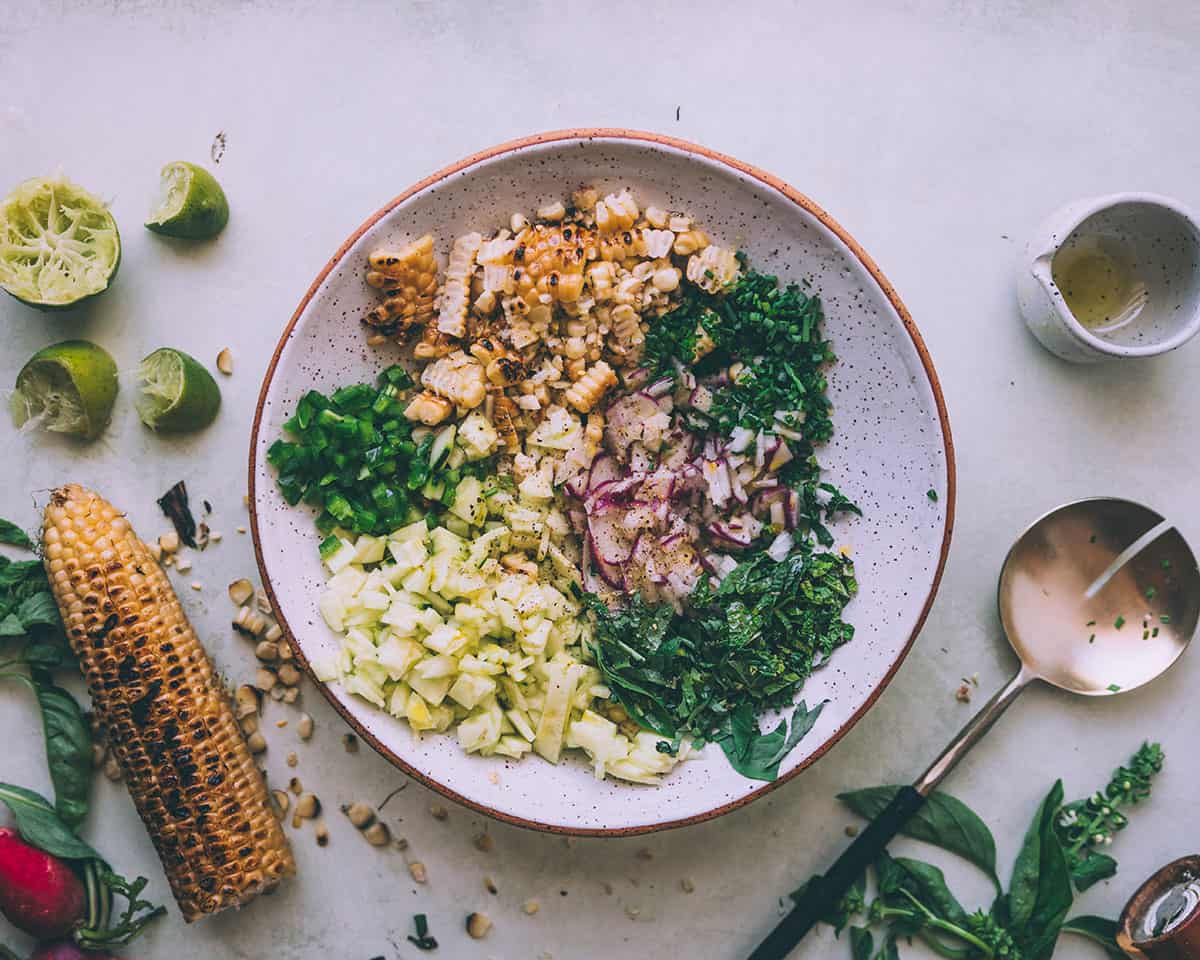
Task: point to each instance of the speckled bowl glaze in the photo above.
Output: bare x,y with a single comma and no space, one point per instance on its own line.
891,445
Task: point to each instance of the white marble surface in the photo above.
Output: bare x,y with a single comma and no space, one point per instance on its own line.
937,132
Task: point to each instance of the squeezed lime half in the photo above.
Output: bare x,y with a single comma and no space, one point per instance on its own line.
59,244
176,393
191,203
69,387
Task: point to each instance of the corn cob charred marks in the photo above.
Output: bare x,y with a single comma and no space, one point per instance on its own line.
165,712
409,277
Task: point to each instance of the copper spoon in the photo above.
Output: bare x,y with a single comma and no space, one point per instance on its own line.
1098,597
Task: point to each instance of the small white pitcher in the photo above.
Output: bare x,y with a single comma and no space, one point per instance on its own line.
1164,245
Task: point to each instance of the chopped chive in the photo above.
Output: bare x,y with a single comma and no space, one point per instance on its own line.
1119,622
1090,623
1164,619
1151,593
1114,687
932,494
1154,632
1166,564
1092,638
1145,634
1092,538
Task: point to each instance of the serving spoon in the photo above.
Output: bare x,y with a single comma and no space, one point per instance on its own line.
1097,597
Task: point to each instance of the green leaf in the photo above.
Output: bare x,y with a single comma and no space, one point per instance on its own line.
1091,868
40,825
39,609
862,943
758,755
44,656
1099,930
928,884
68,751
11,626
18,571
944,821
1040,893
11,533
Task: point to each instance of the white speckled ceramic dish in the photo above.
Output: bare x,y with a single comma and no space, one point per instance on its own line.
891,445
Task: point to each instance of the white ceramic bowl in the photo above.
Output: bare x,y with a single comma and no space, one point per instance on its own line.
891,445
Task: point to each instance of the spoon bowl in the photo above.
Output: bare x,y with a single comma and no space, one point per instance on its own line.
1099,596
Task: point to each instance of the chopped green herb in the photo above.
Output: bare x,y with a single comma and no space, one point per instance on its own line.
744,648
329,547
1145,634
1164,619
1119,622
1154,632
932,494
1092,538
1092,638
1090,623
1113,687
1166,564
1151,593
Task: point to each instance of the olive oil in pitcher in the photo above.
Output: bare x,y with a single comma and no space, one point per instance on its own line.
1097,279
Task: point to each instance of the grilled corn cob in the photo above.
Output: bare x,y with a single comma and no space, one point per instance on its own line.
166,715
409,276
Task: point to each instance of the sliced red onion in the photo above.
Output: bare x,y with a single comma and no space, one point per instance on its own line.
735,486
635,378
721,531
792,507
670,539
604,469
577,486
660,387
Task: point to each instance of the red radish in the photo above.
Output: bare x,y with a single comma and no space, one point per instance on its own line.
66,950
38,893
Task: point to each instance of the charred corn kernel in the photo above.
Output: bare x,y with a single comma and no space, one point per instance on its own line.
504,413
552,211
518,222
307,806
679,223
409,276
594,432
359,814
167,716
585,392
267,651
575,347
624,245
264,679
713,269
457,377
246,701
487,348
576,368
256,743
548,262
240,591
689,241
656,217
428,408
377,834
288,675
282,802
658,242
485,303
666,279
169,542
601,277
627,326
433,343
478,925
617,211
416,870
505,371
452,309
304,727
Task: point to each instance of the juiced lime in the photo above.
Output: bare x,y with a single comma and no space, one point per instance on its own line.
69,388
176,393
58,243
191,204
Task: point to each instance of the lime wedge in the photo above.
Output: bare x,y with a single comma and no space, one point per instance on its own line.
175,393
68,388
58,243
191,204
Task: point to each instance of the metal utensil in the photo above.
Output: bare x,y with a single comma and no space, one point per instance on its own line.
1098,597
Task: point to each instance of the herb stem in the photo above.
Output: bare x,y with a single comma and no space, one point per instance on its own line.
938,923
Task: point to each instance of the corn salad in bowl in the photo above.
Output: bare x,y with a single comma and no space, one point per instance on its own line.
568,501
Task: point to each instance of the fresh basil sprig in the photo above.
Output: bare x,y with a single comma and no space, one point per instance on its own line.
914,901
28,612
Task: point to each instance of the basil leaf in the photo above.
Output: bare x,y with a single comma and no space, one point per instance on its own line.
928,884
944,821
862,943
44,656
11,626
1091,869
40,825
68,751
39,608
1099,930
17,571
758,755
1040,893
11,533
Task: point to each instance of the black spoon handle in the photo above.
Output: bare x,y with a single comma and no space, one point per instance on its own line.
825,891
